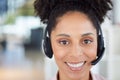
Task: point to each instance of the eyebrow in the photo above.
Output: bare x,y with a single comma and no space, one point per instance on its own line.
87,34
66,35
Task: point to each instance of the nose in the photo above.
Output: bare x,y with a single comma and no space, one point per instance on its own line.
76,50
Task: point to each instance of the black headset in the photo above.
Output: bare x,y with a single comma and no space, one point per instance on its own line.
100,49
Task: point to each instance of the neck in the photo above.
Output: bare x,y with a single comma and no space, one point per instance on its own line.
61,76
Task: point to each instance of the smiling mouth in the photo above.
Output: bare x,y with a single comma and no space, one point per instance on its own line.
75,66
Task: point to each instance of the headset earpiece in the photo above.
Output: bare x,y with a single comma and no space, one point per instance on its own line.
100,48
47,45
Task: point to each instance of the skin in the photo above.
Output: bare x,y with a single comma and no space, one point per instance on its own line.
74,40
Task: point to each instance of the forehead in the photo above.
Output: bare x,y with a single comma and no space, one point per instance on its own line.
74,22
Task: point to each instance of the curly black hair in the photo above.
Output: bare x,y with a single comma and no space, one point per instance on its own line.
50,10
43,8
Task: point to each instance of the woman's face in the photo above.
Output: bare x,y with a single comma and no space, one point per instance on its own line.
74,44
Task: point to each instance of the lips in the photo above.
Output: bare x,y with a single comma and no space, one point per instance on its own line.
75,66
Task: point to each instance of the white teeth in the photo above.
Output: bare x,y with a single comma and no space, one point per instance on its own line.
75,65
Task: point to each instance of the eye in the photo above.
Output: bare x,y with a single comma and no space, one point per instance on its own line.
87,41
63,42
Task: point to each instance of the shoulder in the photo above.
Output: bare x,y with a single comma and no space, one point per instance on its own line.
97,77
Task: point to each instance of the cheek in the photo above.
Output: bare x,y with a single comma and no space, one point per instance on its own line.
92,53
59,53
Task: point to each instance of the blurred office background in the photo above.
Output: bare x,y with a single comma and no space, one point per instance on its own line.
21,34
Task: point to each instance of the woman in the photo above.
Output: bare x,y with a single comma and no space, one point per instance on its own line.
73,35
